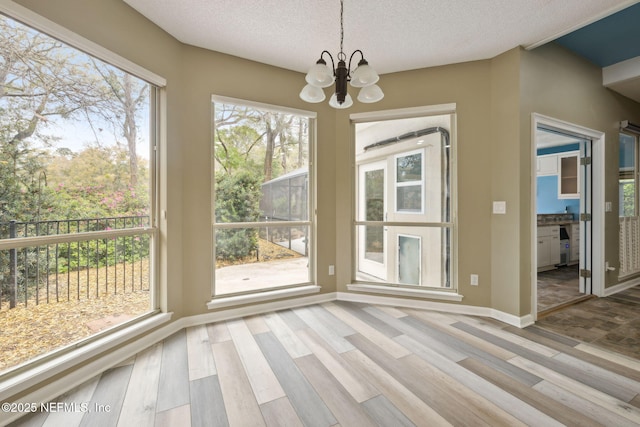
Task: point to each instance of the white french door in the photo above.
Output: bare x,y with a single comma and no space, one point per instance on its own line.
372,207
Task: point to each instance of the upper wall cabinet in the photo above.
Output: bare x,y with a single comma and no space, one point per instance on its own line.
568,176
547,165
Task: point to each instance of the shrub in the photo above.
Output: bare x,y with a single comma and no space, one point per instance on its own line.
237,200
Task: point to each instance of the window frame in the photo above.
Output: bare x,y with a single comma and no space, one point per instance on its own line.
436,292
415,183
51,363
631,175
230,299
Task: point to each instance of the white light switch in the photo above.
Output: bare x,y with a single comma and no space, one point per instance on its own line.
607,207
500,207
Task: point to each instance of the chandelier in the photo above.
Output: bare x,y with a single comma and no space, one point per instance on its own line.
321,75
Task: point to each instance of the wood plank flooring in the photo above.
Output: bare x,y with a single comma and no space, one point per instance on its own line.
354,364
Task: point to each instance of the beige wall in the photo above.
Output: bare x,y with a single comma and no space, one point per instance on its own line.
506,177
494,101
494,98
467,85
193,75
559,84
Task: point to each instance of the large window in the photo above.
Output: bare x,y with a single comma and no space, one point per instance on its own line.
77,224
403,224
627,176
263,229
629,221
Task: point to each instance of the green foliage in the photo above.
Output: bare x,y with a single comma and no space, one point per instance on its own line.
95,184
628,198
237,200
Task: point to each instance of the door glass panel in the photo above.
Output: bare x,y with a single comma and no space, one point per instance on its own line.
374,195
372,245
409,260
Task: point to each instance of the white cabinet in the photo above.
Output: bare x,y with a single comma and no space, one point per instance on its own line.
574,255
547,165
568,175
548,247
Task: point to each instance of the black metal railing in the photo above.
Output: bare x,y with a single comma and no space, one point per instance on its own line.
86,268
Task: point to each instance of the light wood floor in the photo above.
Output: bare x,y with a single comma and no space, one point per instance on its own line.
361,365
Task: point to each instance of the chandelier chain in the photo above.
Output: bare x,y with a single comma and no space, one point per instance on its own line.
341,54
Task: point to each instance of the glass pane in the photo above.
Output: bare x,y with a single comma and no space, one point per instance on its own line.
627,197
409,260
569,178
261,165
409,168
79,134
70,157
417,256
409,198
627,171
374,245
250,259
374,195
56,295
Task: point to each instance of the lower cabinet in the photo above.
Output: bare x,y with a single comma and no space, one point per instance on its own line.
548,247
574,255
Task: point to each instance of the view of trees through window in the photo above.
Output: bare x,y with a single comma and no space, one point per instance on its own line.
261,207
74,160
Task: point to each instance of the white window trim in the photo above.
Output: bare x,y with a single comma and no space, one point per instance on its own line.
34,370
262,296
32,19
229,300
448,293
430,293
20,381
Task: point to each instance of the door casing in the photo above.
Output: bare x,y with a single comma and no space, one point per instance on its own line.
597,202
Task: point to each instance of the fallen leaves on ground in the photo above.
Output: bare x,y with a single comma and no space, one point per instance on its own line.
31,330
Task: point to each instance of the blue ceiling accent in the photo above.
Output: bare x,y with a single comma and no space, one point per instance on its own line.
608,41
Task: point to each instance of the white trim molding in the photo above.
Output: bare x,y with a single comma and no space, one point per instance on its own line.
234,300
405,292
32,19
19,382
469,310
621,287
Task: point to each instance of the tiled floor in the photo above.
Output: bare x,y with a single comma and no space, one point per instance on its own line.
611,322
557,287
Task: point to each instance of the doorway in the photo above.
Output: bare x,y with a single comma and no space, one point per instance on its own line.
567,182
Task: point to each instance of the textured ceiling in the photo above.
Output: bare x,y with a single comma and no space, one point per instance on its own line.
395,35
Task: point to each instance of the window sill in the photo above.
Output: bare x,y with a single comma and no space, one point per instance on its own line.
406,292
234,300
30,377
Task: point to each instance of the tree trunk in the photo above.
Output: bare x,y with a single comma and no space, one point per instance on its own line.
268,155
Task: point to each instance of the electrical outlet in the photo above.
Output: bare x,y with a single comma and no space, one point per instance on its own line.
332,270
474,280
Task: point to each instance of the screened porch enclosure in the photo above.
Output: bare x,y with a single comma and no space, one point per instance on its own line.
262,223
285,199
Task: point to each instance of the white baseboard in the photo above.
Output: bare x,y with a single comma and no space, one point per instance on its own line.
621,286
250,310
470,310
